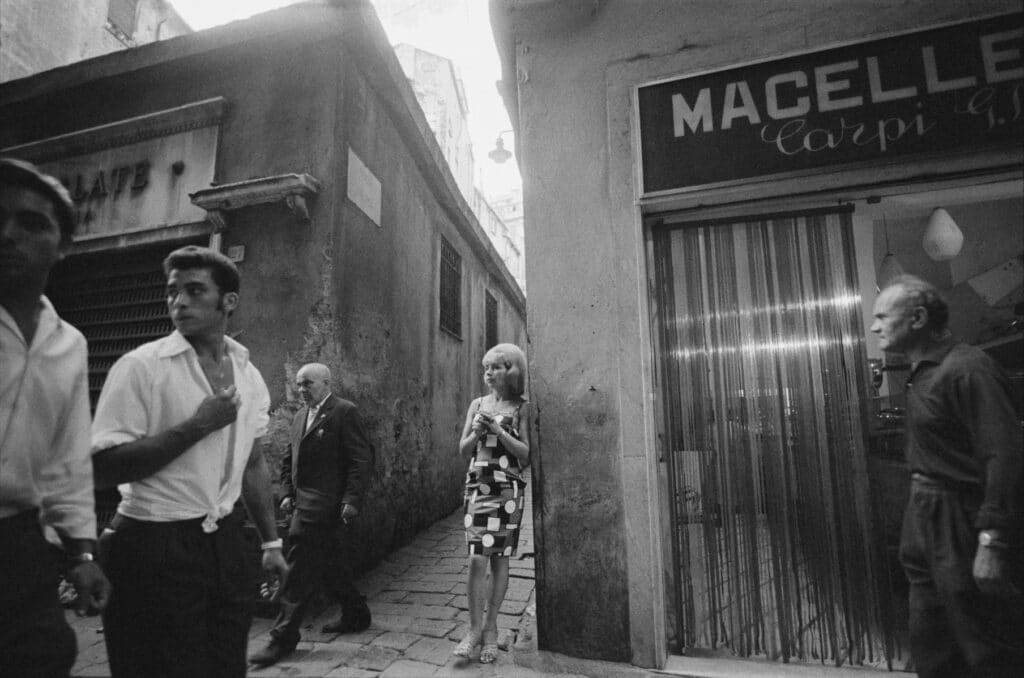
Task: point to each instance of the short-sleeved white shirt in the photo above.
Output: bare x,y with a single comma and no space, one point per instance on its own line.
160,385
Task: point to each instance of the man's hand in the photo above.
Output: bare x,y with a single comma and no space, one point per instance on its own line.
92,587
991,573
275,565
287,504
348,512
218,410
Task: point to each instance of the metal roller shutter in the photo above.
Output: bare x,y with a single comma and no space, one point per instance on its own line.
116,299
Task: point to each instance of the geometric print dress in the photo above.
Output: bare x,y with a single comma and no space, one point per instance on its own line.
494,495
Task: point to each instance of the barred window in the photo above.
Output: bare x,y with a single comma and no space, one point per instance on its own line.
491,320
451,289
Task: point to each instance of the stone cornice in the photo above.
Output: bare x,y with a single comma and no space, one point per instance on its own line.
292,189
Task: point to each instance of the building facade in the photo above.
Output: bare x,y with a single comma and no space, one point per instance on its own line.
440,93
713,193
39,36
499,220
293,143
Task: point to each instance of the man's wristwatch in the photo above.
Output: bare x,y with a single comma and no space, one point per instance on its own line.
990,539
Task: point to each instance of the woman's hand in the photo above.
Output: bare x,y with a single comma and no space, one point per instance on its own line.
482,423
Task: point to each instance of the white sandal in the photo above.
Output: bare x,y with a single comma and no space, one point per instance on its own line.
466,645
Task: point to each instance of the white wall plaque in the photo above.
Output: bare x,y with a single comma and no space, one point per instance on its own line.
363,187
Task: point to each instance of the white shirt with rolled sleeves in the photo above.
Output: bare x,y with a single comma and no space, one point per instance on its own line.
159,385
44,424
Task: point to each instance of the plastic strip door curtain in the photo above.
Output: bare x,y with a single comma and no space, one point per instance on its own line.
762,376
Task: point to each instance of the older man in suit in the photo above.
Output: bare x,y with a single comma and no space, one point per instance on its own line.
323,474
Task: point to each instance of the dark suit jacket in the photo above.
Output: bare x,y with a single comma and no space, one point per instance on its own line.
328,465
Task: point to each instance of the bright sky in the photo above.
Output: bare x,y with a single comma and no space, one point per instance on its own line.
462,35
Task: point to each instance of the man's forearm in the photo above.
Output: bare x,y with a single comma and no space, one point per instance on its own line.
144,457
256,495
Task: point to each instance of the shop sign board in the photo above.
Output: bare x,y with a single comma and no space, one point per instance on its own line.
951,88
134,174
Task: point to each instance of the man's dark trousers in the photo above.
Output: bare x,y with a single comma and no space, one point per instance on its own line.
955,630
182,600
35,640
316,555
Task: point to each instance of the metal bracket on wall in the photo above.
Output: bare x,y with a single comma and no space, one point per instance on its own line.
292,189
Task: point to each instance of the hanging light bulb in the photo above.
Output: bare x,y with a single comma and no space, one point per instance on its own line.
943,238
890,268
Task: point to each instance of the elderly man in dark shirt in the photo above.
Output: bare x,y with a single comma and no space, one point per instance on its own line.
961,542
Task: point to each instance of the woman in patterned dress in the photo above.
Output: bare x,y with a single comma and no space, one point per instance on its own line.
496,437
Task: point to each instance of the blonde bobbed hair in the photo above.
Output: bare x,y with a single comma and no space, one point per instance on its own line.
515,364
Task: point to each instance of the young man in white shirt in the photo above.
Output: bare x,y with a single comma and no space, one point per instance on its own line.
45,469
178,429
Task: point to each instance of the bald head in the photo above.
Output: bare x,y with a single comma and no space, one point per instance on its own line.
913,291
313,381
908,314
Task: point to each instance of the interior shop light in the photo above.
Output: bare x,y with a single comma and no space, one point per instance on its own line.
943,238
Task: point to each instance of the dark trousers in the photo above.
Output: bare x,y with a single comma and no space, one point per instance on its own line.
35,639
182,599
317,556
955,630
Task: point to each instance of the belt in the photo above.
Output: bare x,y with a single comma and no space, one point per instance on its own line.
927,482
204,523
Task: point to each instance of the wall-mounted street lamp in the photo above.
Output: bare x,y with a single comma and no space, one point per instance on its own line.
499,153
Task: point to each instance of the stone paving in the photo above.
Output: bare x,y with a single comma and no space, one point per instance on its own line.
417,598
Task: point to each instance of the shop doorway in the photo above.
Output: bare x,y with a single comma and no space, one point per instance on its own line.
763,376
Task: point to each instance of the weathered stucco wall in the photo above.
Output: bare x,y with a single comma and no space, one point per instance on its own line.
598,513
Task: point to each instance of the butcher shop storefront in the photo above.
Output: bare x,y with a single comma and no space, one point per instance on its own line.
777,198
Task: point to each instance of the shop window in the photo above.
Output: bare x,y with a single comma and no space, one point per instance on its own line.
967,241
451,290
490,319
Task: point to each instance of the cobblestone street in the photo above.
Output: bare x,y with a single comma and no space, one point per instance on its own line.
417,597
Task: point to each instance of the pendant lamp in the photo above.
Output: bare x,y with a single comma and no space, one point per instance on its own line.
943,238
890,268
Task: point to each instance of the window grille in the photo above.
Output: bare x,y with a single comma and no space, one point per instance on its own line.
491,320
451,289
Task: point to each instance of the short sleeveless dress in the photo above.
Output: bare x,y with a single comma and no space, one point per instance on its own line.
494,496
